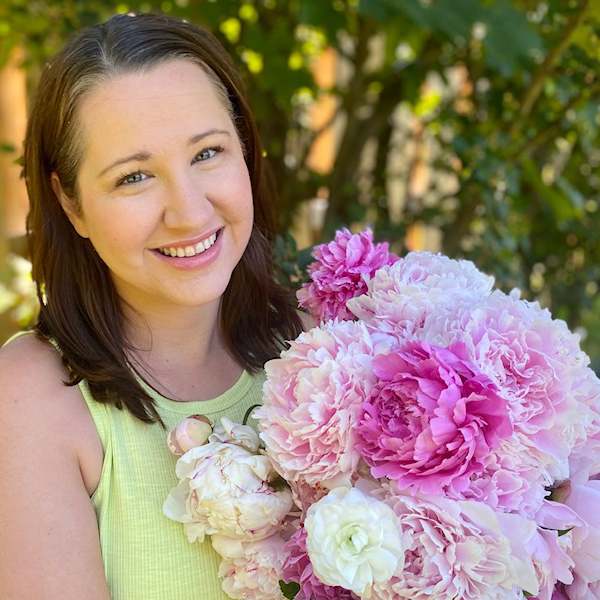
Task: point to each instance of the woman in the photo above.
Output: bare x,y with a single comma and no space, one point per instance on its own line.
150,236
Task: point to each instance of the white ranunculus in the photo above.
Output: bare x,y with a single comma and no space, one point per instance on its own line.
353,540
224,489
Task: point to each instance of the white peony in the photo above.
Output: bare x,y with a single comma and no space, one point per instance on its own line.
255,573
225,489
353,540
234,433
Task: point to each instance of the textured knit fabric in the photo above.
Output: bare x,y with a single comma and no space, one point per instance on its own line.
146,555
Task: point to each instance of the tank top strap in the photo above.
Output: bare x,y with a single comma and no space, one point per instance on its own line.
14,336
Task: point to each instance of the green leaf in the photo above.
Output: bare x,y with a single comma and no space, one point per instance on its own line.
576,199
322,14
7,148
289,589
563,199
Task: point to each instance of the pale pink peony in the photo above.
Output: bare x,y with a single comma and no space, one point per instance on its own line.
255,574
549,549
584,460
305,494
585,551
559,593
312,398
298,568
340,272
431,420
400,297
510,480
459,551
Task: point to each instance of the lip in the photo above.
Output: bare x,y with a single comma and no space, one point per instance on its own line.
190,263
191,242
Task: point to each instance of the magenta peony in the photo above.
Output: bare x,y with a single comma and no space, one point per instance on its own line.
298,568
537,365
340,272
312,399
431,420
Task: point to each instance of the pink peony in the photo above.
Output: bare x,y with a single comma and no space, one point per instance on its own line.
432,419
585,550
255,574
584,460
459,551
400,297
559,594
510,480
312,398
548,549
305,495
341,271
537,365
298,568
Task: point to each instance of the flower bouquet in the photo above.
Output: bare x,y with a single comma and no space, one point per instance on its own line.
229,490
440,438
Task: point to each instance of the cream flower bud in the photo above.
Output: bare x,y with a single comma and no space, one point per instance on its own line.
190,433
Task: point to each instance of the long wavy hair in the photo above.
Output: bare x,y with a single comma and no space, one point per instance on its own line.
80,309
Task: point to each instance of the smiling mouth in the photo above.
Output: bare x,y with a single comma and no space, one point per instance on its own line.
187,251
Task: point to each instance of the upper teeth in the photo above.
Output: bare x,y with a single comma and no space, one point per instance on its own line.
190,250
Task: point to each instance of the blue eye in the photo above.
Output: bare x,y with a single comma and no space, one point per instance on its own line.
132,178
207,153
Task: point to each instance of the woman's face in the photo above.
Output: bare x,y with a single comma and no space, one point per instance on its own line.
164,191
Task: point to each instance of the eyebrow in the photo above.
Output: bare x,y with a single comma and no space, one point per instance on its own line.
143,156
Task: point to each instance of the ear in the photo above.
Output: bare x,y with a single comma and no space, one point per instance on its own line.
68,205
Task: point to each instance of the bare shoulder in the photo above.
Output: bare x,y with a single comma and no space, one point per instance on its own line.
35,399
32,382
49,545
31,360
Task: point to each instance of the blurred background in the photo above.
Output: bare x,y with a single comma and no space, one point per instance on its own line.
469,127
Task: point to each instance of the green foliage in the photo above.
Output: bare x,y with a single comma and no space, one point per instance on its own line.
291,262
289,589
18,297
503,94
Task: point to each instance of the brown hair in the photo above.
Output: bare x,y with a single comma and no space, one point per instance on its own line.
80,308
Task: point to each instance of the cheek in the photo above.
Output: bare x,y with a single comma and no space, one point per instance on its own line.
239,199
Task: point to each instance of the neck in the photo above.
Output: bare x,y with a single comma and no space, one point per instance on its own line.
181,353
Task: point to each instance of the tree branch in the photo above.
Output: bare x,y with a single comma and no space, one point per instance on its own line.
535,87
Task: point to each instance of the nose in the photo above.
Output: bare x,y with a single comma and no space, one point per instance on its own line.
186,204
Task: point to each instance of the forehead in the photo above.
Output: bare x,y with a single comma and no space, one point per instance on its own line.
173,98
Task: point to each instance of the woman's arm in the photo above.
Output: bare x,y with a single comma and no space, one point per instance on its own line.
49,545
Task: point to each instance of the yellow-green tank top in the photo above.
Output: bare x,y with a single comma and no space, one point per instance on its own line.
146,555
